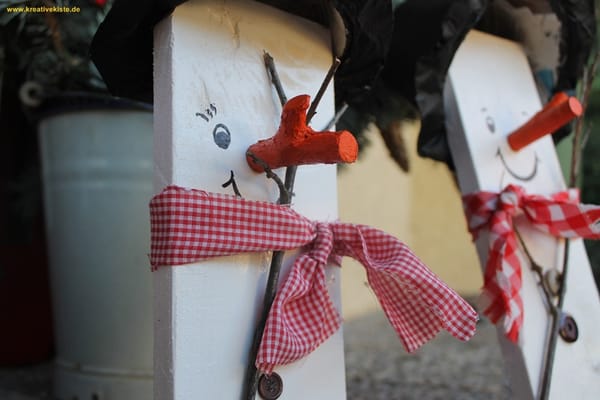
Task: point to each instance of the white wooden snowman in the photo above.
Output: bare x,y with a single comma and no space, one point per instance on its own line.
213,99
490,92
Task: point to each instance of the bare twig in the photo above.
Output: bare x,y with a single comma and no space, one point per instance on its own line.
285,197
589,73
586,136
313,107
539,271
579,139
252,373
556,312
55,32
336,117
290,172
270,65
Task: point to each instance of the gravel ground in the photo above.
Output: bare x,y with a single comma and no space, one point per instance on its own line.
377,367
26,383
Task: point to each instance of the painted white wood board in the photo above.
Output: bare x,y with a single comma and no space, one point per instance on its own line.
490,84
211,53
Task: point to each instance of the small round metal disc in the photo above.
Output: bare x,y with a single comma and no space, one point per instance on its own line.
270,387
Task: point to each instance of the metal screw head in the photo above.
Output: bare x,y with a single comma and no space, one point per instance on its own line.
568,328
270,386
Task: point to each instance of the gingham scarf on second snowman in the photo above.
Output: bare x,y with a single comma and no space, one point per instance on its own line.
559,215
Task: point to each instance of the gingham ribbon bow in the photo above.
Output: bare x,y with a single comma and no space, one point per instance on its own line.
559,215
192,225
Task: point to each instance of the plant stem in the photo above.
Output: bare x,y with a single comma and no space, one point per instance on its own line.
252,373
555,313
290,172
589,74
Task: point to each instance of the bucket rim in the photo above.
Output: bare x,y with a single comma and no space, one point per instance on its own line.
72,102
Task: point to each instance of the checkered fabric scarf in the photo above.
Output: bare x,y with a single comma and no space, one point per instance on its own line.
192,225
559,215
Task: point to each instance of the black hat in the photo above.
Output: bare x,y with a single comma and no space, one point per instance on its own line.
122,46
414,44
428,33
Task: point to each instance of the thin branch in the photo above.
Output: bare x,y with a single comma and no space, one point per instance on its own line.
556,313
284,195
290,173
252,373
586,136
313,107
539,271
336,117
55,33
579,139
589,74
270,65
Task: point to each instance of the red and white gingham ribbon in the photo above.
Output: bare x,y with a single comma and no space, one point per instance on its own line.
191,225
559,215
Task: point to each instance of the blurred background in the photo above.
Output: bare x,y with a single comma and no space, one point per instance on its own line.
64,159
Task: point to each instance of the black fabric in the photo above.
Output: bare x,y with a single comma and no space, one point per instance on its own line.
430,76
578,35
409,57
425,37
369,25
122,46
314,10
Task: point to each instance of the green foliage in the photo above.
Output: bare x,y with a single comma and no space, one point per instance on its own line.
396,3
52,48
591,177
590,189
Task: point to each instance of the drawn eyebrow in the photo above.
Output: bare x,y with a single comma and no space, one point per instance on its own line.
204,117
211,112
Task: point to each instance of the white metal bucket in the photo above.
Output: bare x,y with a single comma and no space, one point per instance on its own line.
97,178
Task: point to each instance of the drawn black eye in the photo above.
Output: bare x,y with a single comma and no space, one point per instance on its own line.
490,124
221,136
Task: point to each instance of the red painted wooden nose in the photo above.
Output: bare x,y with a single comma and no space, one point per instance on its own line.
296,143
559,111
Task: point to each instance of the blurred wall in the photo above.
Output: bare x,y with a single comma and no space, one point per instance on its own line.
421,208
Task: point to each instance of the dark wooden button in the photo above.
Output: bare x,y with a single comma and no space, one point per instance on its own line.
270,387
568,329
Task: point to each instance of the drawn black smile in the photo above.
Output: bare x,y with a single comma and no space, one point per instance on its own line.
523,178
